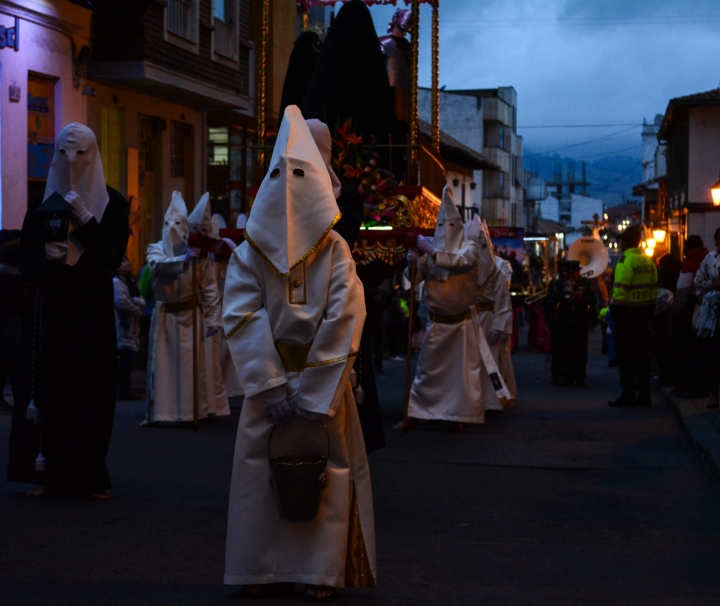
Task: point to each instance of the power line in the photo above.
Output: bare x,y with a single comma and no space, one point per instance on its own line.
551,151
579,125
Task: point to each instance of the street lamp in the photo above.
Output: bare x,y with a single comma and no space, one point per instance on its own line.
659,235
715,191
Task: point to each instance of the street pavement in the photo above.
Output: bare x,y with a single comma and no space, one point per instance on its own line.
559,500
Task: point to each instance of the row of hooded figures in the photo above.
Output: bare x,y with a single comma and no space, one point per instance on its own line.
288,320
292,315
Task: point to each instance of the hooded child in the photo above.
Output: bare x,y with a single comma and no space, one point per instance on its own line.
210,346
170,372
494,313
293,315
69,351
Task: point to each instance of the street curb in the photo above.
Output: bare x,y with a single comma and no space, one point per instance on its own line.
705,456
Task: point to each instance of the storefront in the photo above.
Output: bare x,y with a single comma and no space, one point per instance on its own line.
43,48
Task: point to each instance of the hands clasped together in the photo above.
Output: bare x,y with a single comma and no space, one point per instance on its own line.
279,408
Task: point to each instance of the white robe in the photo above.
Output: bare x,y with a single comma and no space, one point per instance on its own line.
170,364
321,303
495,291
233,389
217,398
447,381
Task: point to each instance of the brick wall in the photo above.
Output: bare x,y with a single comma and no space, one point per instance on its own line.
137,33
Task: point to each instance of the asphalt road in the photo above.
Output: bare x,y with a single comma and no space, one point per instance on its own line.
559,500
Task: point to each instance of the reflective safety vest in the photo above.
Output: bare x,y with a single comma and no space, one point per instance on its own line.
636,280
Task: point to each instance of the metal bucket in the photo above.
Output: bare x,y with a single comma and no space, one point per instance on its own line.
298,481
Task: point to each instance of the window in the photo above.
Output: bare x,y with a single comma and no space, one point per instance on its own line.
179,133
225,35
181,23
218,146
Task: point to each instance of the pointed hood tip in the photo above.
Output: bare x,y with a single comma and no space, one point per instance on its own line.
200,218
295,207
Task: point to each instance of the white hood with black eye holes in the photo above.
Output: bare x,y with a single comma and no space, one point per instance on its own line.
449,227
77,166
200,218
175,230
476,230
295,206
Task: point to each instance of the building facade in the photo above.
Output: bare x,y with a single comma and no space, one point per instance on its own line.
485,120
691,131
41,67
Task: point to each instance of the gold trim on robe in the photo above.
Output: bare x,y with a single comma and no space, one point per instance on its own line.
302,259
239,325
357,566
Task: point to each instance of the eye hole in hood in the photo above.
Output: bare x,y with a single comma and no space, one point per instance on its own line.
275,172
299,172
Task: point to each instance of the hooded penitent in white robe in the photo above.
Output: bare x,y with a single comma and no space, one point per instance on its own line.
494,312
233,388
210,348
293,315
447,380
170,362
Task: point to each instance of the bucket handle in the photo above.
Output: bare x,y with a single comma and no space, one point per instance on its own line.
323,426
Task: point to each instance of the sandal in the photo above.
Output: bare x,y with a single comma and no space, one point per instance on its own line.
319,593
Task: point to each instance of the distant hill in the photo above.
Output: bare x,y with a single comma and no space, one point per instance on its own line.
611,178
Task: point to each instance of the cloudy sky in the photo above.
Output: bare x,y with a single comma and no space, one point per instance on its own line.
606,63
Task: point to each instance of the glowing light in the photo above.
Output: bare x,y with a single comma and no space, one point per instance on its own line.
715,191
649,252
651,242
659,235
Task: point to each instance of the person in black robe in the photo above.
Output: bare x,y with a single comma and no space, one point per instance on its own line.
69,342
301,64
350,204
350,80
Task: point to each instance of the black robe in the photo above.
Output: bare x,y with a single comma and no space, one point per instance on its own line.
350,204
69,317
350,79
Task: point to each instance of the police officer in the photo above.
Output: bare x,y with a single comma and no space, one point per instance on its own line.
571,307
632,307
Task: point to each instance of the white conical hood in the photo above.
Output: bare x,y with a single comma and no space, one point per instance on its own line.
175,230
295,207
77,166
321,135
449,227
476,231
200,218
218,223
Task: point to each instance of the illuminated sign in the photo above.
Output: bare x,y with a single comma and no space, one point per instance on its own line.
10,36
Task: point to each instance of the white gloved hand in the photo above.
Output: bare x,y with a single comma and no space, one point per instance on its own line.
211,330
308,415
413,255
80,213
192,253
425,245
139,301
55,251
275,404
230,243
495,336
